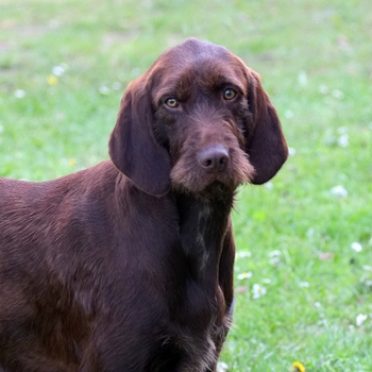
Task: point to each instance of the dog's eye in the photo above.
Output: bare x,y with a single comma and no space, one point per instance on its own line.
229,94
171,102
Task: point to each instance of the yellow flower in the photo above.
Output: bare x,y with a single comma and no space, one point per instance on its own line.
298,367
71,162
52,80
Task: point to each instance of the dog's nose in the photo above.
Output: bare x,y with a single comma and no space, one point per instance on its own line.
214,158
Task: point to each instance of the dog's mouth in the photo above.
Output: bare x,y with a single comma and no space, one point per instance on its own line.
192,175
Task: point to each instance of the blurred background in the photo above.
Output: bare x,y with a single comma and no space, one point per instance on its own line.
304,263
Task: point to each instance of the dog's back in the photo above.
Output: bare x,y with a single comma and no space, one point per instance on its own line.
70,273
41,252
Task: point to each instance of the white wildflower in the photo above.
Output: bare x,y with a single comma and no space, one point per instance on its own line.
302,78
268,185
339,191
303,284
258,291
360,319
247,275
338,94
343,140
275,257
58,70
356,247
243,254
288,114
19,93
104,90
310,233
222,367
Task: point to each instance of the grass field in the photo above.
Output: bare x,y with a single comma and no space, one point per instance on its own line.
304,267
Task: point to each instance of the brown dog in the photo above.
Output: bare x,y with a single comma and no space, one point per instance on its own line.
128,265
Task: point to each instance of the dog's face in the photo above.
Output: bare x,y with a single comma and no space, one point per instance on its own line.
197,118
201,111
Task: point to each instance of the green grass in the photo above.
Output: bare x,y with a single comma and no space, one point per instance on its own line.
315,60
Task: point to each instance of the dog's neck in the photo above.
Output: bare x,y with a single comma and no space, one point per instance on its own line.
203,222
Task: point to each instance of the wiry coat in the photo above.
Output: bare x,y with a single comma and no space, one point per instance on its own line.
128,265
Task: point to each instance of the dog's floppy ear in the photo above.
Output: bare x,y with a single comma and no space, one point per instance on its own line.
133,147
266,145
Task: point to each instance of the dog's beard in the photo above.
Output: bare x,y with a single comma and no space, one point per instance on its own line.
188,176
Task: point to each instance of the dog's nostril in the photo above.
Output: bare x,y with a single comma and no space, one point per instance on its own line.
208,163
214,158
222,160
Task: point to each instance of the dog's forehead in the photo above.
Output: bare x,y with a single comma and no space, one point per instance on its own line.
197,63
193,49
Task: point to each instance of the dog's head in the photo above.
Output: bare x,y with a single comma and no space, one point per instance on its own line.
198,117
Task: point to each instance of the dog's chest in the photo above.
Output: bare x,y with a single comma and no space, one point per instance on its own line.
195,331
195,314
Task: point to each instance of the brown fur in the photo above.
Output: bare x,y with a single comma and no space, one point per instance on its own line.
128,265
